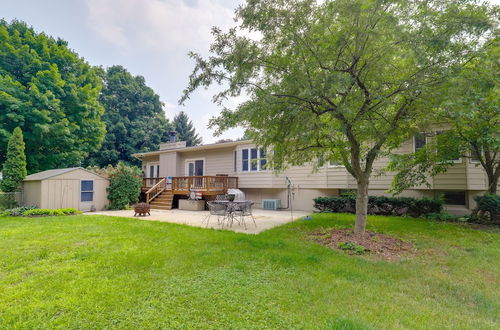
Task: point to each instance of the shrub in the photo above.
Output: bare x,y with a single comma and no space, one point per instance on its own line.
30,211
380,205
16,212
352,247
50,212
487,210
125,186
446,217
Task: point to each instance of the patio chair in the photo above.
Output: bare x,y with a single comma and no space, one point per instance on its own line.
220,198
243,210
216,209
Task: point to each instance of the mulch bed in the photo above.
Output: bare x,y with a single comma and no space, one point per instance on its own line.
381,245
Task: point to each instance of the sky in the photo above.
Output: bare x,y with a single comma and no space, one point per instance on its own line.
150,38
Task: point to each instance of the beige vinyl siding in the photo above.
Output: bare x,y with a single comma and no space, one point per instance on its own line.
338,177
324,181
168,164
455,178
304,177
217,161
32,193
476,176
302,197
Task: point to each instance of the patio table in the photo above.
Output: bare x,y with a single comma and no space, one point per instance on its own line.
231,207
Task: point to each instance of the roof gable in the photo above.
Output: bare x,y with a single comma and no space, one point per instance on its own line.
55,172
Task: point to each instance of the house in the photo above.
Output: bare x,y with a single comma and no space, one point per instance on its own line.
213,168
67,187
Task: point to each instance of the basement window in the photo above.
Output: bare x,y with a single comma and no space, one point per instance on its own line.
454,197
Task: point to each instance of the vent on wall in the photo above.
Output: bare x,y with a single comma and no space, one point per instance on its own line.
271,204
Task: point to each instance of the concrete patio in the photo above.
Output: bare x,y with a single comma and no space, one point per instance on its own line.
265,219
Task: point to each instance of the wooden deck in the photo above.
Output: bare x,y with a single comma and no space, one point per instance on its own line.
183,185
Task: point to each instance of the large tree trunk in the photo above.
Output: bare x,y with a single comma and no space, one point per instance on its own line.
361,206
492,182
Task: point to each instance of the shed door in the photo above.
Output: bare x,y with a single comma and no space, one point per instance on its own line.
86,195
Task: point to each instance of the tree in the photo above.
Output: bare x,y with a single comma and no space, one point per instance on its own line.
344,80
14,168
224,141
51,94
185,130
134,117
471,106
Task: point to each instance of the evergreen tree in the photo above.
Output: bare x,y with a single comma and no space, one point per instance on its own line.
134,117
14,168
185,130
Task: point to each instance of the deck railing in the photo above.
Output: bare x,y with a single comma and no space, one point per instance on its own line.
156,190
184,184
150,182
204,183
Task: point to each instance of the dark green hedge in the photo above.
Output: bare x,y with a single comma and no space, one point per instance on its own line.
380,205
487,210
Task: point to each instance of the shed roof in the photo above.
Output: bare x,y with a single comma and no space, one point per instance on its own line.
55,172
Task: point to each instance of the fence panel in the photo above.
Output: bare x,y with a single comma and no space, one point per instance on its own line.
10,200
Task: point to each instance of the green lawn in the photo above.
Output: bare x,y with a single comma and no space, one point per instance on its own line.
103,272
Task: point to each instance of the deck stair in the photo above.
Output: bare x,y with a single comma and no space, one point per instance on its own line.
163,201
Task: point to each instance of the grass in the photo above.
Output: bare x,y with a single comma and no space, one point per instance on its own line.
105,272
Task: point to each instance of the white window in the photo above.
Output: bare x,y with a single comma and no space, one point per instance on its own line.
254,163
330,164
263,160
195,167
253,159
334,164
235,161
419,141
153,173
457,159
154,170
473,157
244,160
87,191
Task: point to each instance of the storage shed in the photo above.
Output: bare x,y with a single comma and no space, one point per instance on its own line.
67,187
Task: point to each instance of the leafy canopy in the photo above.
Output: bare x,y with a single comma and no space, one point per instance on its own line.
51,94
470,104
341,79
14,168
134,118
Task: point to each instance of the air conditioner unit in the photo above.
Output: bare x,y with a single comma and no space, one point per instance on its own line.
271,204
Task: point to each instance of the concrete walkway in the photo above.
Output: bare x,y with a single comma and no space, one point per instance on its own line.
265,219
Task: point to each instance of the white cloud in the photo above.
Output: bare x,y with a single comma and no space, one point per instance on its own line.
168,25
164,31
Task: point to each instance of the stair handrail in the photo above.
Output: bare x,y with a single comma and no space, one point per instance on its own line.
155,190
